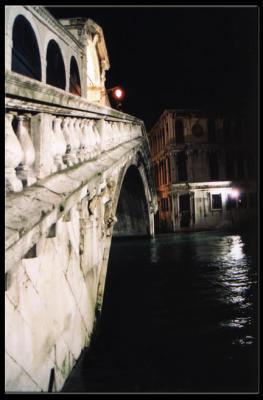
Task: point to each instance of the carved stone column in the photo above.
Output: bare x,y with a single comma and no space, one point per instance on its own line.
41,132
74,139
68,158
61,145
13,156
24,171
78,135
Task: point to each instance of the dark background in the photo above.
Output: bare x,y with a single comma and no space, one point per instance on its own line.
179,57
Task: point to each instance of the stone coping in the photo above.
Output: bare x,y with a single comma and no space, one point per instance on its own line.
30,213
40,95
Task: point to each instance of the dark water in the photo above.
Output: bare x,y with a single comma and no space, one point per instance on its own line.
179,315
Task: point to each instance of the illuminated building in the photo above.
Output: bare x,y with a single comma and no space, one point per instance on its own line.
205,172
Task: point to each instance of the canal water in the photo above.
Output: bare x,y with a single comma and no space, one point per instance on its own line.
179,315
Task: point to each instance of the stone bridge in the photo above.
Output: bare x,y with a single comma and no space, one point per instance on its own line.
77,173
60,214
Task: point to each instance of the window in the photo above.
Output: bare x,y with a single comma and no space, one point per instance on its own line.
197,130
74,80
184,202
179,132
216,202
55,66
182,168
25,51
165,205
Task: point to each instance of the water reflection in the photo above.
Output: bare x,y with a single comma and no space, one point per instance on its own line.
179,314
154,256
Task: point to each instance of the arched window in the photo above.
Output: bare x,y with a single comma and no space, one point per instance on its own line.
74,79
55,66
25,51
179,132
197,130
182,167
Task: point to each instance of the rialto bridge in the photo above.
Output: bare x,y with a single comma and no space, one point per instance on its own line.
77,172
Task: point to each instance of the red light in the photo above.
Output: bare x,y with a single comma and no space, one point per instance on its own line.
118,93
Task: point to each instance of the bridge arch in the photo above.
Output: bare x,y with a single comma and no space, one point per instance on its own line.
132,210
135,192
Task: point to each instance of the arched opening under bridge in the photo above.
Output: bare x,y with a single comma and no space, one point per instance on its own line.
132,210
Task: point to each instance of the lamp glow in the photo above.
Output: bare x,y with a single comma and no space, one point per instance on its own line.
235,193
118,93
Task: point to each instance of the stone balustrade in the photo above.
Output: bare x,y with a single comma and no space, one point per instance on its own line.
40,144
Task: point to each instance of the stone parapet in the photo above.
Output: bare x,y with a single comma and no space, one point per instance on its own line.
48,130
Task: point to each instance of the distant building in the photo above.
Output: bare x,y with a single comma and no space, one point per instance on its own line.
205,171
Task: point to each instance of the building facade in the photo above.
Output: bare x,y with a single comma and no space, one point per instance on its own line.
205,171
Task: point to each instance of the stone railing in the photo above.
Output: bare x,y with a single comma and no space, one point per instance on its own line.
41,139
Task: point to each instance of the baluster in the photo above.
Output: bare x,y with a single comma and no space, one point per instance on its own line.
61,145
111,133
68,159
122,132
98,140
116,132
24,171
97,137
77,136
74,140
53,145
101,128
83,141
88,144
13,156
130,133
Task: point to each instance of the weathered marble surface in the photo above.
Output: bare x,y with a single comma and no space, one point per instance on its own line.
53,292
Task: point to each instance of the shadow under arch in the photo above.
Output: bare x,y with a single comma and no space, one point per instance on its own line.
134,217
25,50
132,210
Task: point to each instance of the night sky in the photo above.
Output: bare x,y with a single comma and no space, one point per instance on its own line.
179,57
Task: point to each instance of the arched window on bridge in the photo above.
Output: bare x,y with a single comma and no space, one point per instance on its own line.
55,66
25,51
74,79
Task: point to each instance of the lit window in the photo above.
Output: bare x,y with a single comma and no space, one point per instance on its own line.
216,202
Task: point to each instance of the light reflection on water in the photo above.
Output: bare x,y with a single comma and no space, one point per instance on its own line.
180,311
227,268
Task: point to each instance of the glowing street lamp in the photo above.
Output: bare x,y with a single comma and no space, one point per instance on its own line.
235,193
118,94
